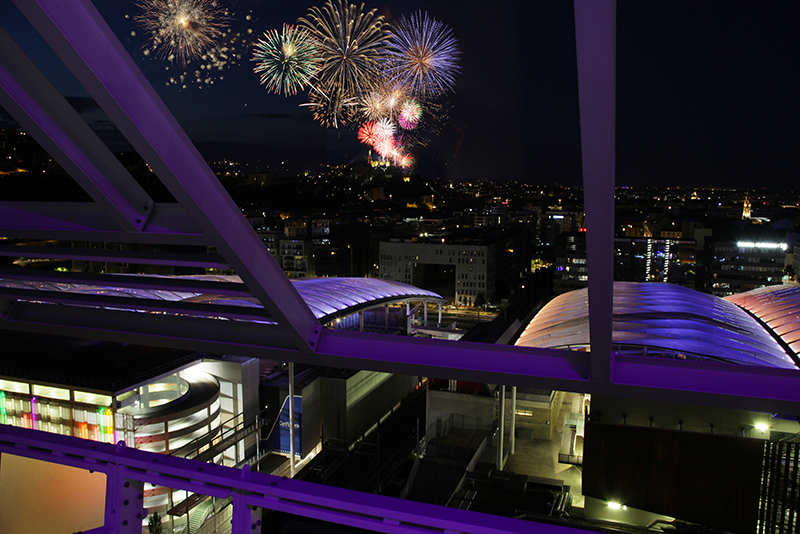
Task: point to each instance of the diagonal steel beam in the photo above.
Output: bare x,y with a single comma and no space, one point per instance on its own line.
595,35
46,115
84,42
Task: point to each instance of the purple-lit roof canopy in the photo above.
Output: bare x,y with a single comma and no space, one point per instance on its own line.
660,320
778,307
328,298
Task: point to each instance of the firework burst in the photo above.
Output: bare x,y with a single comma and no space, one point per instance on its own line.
385,146
351,43
367,133
384,128
182,30
423,56
405,161
410,114
331,112
287,60
370,106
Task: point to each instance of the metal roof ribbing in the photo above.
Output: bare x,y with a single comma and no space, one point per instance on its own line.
661,317
325,296
778,307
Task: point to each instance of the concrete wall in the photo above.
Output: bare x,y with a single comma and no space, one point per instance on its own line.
312,403
370,395
469,411
695,418
333,411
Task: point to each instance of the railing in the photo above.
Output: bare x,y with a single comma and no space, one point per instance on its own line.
574,459
222,436
127,469
219,522
477,456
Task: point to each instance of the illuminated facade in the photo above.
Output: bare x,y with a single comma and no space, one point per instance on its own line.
464,271
736,266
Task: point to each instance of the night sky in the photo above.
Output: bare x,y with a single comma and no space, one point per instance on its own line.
706,92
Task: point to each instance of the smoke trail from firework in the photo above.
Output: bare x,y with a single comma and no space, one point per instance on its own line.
181,30
351,43
287,60
423,56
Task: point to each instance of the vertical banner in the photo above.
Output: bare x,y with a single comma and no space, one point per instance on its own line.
278,439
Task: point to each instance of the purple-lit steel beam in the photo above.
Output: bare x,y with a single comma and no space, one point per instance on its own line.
101,300
595,35
87,46
252,489
46,115
86,221
712,384
154,283
181,259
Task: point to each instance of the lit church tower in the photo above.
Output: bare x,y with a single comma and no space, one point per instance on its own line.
746,209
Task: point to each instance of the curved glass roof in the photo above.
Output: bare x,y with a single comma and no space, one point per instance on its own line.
333,297
327,297
663,320
778,307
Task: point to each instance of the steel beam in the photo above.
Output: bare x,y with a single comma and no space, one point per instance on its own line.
86,221
46,115
241,338
703,383
156,283
252,489
595,35
124,502
182,259
134,305
87,46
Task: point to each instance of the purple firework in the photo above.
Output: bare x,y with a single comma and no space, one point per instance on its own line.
423,56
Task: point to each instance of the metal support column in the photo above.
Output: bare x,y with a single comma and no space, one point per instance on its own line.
361,321
512,440
126,498
595,34
500,427
244,520
291,419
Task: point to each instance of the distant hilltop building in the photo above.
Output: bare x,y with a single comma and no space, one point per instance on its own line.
747,207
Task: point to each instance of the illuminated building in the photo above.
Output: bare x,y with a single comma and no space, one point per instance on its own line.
746,207
486,265
736,266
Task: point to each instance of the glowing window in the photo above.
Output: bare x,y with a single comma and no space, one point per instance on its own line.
92,398
50,392
15,387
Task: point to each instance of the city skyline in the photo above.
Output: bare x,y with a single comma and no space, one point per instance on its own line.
704,96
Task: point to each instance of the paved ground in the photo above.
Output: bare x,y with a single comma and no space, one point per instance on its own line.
539,457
